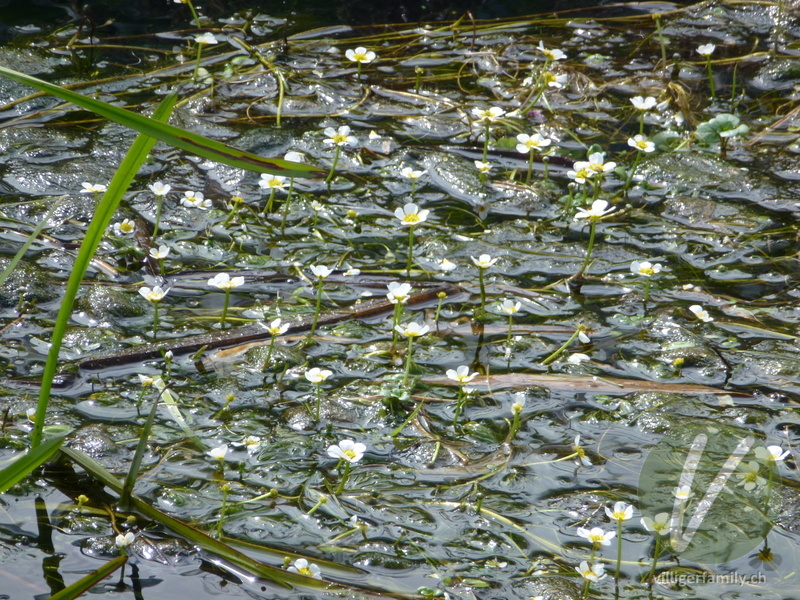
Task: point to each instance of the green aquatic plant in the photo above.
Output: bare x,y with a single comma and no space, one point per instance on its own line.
720,129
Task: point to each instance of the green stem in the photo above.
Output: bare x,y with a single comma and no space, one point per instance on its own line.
641,123
155,321
347,465
265,368
333,166
632,172
225,490
410,250
195,16
398,314
619,550
318,394
508,340
441,296
661,38
268,208
563,346
711,78
530,167
486,141
646,289
589,248
483,290
408,361
656,553
286,205
158,215
225,309
316,310
408,420
459,404
197,63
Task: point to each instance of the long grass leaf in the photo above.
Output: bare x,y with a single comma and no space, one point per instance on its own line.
102,217
220,549
22,466
180,138
79,587
31,238
136,463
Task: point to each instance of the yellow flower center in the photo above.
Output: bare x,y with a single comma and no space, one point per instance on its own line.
641,144
305,571
339,138
647,270
549,77
360,57
411,219
350,454
583,174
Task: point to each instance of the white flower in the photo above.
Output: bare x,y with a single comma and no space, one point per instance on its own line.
593,573
360,55
484,261
576,445
195,200
461,374
660,525
224,281
577,358
160,189
554,81
598,165
775,453
509,307
340,137
584,339
483,167
517,407
645,268
317,375
205,38
412,329
159,253
302,567
271,182
488,115
398,292
275,327
154,295
347,450
447,265
683,492
700,313
93,188
293,156
750,475
580,172
411,173
123,541
641,143
597,536
529,143
219,453
598,210
252,442
620,512
124,228
706,49
320,271
411,214
147,381
640,103
551,53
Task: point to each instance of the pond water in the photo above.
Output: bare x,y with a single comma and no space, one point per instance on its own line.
631,330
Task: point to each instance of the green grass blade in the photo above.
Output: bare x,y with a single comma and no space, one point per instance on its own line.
22,466
180,138
102,217
31,238
136,463
79,587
